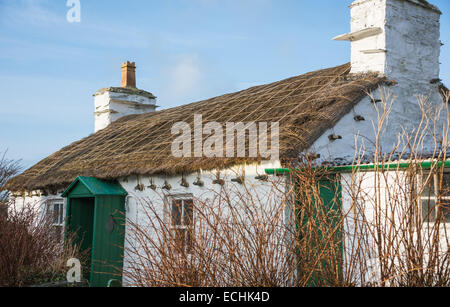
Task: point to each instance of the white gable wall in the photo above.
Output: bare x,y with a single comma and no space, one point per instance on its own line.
405,113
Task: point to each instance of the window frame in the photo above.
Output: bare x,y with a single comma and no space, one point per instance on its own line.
436,184
189,230
50,211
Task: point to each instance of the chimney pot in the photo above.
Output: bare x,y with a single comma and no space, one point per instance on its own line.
128,75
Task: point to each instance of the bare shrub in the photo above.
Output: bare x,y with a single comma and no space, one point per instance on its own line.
388,238
8,169
31,250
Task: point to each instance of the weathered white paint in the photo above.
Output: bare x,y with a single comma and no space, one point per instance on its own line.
407,52
114,103
407,46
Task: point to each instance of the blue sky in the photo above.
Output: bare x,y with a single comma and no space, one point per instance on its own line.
185,50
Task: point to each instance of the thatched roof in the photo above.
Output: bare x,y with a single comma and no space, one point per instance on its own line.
305,107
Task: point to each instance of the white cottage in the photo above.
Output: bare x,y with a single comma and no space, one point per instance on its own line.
395,48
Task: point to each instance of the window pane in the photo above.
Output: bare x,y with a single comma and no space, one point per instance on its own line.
445,192
57,214
49,212
446,210
188,212
176,213
180,238
445,197
446,181
429,202
429,210
61,213
189,237
428,191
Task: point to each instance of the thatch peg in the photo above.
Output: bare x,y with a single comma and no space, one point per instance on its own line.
167,186
334,137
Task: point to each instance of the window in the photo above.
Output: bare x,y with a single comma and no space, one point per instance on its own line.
181,213
55,215
436,199
55,212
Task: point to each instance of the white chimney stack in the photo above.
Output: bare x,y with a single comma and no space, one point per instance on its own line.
396,38
113,103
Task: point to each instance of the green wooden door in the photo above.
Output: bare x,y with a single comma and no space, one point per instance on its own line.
320,231
109,237
81,225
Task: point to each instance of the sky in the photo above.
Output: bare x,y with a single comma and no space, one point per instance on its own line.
185,51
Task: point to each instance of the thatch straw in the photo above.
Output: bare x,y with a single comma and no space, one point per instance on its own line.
305,107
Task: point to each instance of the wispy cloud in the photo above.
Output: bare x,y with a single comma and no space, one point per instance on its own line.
31,12
186,75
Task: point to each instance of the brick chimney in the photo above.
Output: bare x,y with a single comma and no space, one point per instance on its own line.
112,103
128,75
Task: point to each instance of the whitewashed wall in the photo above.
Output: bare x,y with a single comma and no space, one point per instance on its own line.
380,201
263,192
36,201
408,46
404,115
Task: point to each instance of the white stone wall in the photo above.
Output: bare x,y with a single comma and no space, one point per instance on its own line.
412,43
364,15
110,106
408,46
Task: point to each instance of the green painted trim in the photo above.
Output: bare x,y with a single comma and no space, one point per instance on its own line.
368,167
67,214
